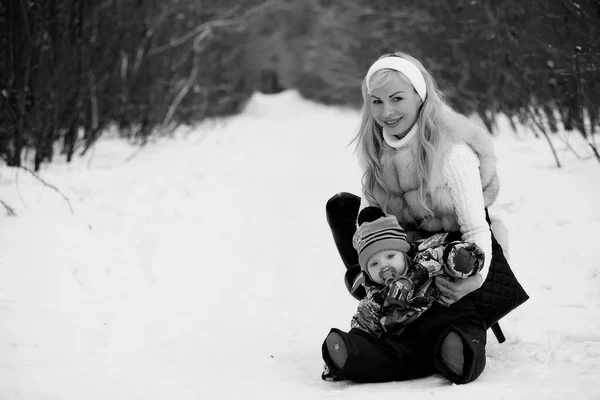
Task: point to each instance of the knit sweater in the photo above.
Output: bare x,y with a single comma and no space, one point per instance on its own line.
462,179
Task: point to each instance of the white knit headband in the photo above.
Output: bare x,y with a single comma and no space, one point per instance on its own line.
410,70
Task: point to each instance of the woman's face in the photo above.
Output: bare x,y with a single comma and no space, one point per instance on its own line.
395,105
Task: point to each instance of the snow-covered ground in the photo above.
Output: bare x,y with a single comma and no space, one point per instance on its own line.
202,267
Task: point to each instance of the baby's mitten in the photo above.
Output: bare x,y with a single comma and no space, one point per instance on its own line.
463,260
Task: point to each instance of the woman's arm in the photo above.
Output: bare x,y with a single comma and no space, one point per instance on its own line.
461,174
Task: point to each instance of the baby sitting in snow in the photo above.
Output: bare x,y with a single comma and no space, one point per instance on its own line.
398,276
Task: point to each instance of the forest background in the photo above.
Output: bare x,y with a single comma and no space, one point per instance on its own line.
72,68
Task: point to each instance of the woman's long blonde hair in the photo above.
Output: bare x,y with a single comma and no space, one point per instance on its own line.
432,141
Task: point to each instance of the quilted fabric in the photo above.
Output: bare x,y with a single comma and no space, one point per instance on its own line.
501,292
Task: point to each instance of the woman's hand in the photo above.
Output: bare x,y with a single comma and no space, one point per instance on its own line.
451,292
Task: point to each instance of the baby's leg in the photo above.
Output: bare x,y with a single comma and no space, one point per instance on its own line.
336,349
359,357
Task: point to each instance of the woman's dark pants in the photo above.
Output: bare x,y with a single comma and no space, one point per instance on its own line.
416,352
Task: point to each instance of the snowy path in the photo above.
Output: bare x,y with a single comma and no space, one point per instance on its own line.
203,269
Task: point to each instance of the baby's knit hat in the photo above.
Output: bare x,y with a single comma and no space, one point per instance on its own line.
377,232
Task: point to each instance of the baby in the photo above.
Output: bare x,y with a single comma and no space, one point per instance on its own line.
399,277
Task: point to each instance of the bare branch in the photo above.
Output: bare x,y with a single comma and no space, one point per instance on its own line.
9,210
594,149
222,21
190,81
147,36
36,176
569,147
219,22
93,100
537,124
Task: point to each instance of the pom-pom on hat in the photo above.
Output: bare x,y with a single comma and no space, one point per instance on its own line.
373,236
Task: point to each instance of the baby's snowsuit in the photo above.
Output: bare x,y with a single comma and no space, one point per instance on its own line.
389,308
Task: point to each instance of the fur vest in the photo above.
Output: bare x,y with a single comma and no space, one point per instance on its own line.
399,174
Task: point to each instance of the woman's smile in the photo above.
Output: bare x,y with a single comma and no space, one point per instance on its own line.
392,123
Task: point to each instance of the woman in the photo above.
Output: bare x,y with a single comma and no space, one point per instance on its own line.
434,170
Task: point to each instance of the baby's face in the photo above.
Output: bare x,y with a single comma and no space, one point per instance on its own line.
387,264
